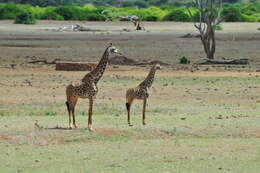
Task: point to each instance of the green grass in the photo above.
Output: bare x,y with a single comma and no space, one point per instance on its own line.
195,124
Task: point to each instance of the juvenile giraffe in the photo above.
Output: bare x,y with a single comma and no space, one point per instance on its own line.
87,88
140,92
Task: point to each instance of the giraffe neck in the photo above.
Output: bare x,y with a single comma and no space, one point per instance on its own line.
98,72
147,83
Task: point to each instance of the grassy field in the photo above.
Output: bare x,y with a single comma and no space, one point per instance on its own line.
197,122
205,121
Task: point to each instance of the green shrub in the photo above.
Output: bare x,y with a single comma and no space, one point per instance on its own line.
127,4
51,113
219,27
9,11
178,15
50,14
152,18
232,14
70,12
184,60
258,29
251,9
25,17
247,18
95,17
38,12
141,4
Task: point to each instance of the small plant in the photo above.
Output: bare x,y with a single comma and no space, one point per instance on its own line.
25,17
258,29
51,113
184,60
219,28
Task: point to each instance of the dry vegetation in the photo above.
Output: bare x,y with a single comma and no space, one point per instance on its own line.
201,121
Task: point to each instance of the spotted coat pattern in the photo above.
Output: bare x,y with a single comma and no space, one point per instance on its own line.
141,91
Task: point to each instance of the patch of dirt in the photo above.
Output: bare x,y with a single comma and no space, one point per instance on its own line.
256,134
110,132
5,137
121,60
28,45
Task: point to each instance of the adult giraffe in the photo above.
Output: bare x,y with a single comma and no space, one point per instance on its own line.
87,88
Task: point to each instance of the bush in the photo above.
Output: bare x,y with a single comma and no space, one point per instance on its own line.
95,17
70,13
184,60
9,11
232,14
127,4
178,15
247,18
258,29
152,18
50,14
38,12
141,4
219,27
251,9
25,17
149,14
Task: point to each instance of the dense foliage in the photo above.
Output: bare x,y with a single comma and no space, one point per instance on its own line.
232,12
25,17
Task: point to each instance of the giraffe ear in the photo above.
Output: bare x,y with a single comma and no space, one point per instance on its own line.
110,44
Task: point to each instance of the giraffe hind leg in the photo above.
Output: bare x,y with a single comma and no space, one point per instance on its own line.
90,112
144,110
71,103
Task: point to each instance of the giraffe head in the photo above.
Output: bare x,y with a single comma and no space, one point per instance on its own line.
112,49
157,66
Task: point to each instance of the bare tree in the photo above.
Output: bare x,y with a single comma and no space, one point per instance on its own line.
206,21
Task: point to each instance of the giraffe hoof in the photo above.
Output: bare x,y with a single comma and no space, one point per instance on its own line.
131,125
75,126
144,124
90,128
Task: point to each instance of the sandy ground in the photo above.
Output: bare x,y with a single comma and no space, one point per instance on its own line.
22,43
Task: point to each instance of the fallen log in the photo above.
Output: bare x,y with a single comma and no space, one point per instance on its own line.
74,66
241,61
44,61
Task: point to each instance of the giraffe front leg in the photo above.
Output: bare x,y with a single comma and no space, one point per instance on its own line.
128,107
69,112
144,109
73,117
90,112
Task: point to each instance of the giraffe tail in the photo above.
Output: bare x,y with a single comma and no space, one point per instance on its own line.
68,106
